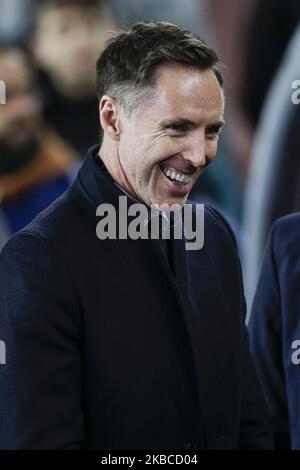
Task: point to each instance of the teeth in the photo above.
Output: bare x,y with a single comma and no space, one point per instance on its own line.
180,178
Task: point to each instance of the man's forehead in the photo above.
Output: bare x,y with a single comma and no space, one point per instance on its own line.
188,92
174,73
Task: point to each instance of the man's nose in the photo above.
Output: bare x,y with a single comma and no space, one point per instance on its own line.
196,151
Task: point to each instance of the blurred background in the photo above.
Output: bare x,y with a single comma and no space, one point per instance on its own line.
48,51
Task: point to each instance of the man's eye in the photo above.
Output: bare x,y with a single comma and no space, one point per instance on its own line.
178,128
213,132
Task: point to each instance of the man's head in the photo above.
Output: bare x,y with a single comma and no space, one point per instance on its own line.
69,36
161,110
20,116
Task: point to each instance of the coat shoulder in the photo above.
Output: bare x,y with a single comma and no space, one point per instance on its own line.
285,236
216,219
58,221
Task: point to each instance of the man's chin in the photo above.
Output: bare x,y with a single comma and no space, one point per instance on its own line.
170,201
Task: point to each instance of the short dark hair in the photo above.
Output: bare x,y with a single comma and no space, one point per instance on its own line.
129,61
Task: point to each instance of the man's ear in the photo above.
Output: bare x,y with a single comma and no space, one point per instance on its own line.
109,113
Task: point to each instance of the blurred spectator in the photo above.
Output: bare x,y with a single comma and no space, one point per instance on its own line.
34,163
70,34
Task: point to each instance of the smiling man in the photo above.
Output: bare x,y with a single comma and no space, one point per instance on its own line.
122,343
164,145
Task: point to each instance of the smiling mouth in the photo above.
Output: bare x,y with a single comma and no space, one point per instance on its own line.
176,176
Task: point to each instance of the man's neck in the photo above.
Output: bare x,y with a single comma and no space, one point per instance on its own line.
106,162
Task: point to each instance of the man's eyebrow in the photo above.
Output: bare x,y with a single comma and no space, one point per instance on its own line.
218,124
179,121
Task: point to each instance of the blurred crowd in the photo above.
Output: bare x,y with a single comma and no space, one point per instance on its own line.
48,51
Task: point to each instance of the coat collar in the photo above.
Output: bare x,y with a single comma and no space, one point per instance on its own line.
93,184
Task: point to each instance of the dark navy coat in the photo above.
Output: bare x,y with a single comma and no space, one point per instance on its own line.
106,350
275,329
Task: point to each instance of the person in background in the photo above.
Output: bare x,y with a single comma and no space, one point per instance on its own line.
69,36
36,165
275,330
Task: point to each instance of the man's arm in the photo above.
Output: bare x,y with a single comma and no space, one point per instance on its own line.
40,384
266,344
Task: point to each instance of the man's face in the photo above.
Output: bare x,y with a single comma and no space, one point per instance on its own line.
20,116
165,146
67,44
